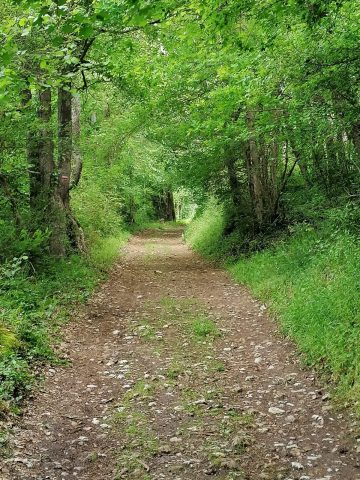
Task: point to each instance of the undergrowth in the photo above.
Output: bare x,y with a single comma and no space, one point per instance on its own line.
206,232
159,225
310,278
36,297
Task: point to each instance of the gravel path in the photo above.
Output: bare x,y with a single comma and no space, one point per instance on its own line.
178,373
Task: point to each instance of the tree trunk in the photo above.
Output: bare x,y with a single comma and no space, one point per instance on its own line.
66,230
170,207
76,151
41,164
65,144
254,173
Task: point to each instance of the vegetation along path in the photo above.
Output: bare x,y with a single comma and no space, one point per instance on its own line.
177,373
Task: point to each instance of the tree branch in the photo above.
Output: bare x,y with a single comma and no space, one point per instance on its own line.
88,43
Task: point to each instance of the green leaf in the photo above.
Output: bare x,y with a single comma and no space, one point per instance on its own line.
86,31
68,27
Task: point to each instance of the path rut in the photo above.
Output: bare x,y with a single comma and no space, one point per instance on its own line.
178,373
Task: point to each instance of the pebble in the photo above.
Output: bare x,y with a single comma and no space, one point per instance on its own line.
276,411
175,439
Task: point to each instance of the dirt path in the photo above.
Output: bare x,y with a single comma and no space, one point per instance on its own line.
177,373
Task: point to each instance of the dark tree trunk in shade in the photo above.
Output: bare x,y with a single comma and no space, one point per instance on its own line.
41,164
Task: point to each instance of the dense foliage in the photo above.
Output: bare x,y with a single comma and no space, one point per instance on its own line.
117,112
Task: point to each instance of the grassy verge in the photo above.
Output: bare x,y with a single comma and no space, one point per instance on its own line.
34,302
157,225
205,233
311,282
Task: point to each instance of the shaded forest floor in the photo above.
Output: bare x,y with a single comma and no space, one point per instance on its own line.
177,373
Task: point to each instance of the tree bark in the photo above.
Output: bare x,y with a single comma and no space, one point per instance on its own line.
66,230
170,207
253,170
65,144
77,158
41,164
164,206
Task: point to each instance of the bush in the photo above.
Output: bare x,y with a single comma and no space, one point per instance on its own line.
205,234
97,212
15,244
105,250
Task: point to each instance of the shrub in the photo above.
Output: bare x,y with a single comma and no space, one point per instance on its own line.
205,233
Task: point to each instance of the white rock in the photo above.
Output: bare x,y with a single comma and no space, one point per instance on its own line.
276,411
175,439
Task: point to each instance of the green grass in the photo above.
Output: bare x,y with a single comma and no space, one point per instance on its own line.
140,442
140,389
194,319
105,250
175,369
35,300
205,233
218,366
312,284
310,279
157,225
203,327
